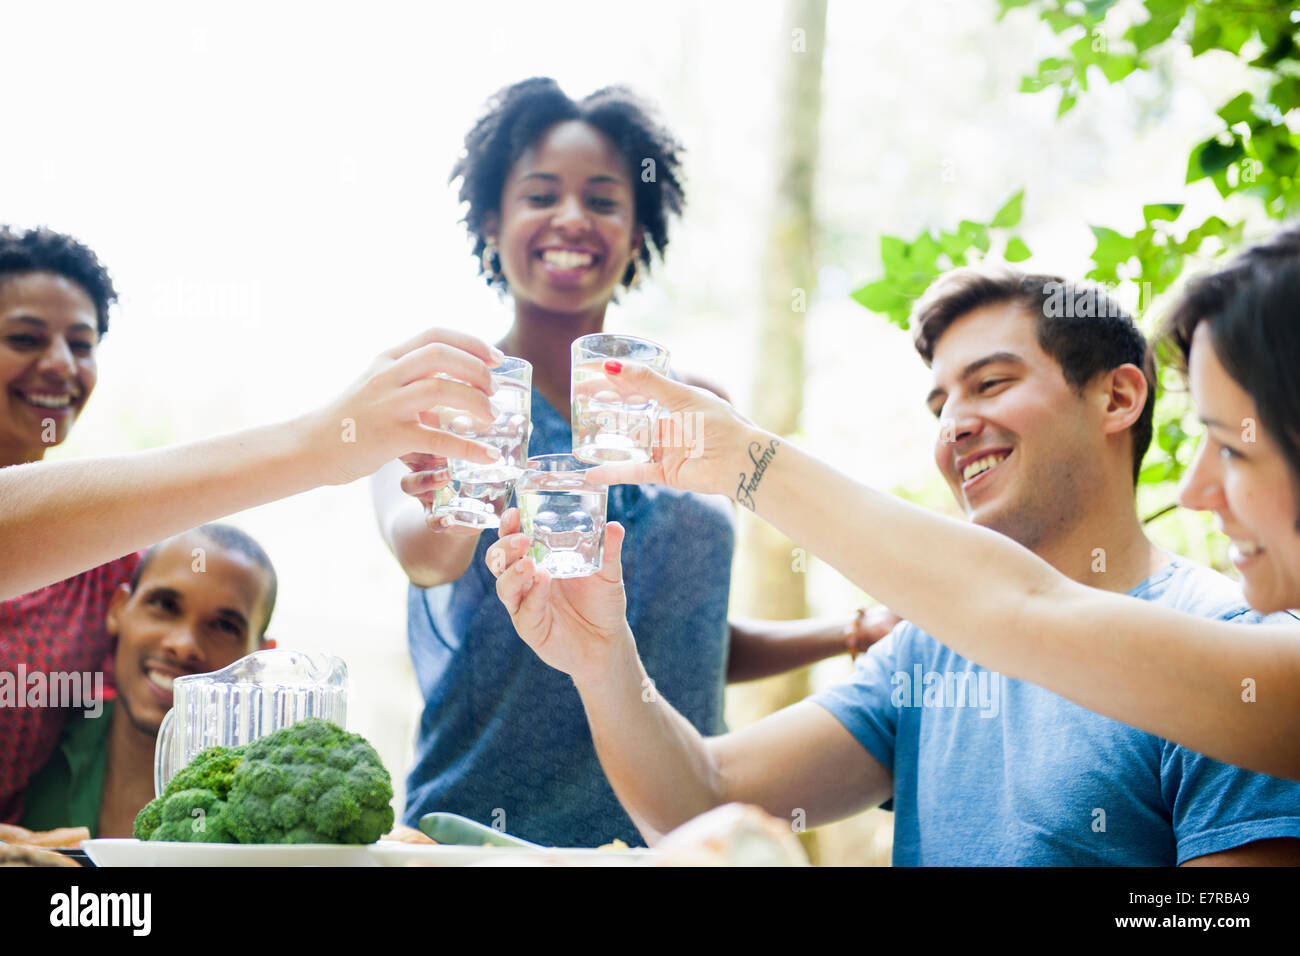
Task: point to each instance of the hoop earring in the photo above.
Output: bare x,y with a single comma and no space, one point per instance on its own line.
493,271
635,281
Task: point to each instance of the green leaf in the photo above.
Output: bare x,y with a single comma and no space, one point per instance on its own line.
1205,38
1009,214
1117,66
1283,49
1220,180
894,253
1005,6
1285,94
880,296
1152,33
1163,211
954,246
1233,34
1017,251
1215,156
1285,161
1162,272
977,232
1115,246
1059,20
1156,472
1096,9
1166,8
1068,101
1170,435
1213,226
1237,109
1112,249
924,253
1212,157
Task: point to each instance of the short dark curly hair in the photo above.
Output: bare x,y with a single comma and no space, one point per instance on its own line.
517,115
1079,325
44,250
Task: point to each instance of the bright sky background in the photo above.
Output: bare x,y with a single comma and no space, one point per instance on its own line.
267,184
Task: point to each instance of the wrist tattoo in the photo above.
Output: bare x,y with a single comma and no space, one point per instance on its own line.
761,457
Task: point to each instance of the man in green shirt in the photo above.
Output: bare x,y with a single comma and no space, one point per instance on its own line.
198,602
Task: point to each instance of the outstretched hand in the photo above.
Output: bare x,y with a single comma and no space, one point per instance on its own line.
576,625
385,413
869,625
700,438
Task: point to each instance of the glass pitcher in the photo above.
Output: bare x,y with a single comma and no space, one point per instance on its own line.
251,698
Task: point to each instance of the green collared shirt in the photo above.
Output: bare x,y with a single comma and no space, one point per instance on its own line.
67,791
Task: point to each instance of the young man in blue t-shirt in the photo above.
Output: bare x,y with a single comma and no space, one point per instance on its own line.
1044,393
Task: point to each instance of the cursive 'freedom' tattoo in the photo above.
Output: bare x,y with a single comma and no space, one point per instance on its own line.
761,457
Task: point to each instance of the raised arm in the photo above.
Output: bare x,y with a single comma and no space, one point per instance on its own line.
430,552
1229,691
60,518
800,763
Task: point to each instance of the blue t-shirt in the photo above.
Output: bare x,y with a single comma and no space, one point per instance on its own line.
503,738
994,771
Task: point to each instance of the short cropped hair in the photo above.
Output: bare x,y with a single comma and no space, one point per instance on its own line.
231,539
1078,324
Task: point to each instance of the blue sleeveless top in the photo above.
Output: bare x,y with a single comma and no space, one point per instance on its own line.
503,738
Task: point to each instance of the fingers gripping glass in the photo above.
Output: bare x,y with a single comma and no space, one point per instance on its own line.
479,493
563,514
606,426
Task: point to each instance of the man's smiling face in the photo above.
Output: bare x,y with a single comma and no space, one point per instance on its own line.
180,621
1017,444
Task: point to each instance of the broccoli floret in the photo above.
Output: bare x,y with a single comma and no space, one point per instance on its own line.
171,816
212,770
310,783
194,816
148,819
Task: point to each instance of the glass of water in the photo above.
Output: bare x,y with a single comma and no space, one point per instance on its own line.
605,427
479,493
563,514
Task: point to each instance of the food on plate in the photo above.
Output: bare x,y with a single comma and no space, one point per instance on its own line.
404,834
193,804
15,855
734,834
64,837
311,782
616,845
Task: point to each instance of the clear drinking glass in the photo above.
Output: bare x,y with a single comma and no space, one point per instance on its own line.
479,493
606,428
563,514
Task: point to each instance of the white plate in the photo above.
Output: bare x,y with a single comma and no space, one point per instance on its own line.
383,853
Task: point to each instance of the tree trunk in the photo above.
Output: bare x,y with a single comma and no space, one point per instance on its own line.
770,575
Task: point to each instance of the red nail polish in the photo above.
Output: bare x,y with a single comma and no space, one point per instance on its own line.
613,366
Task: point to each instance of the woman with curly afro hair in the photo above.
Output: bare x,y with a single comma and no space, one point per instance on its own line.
567,204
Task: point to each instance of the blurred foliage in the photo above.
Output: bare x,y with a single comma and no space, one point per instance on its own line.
910,267
1255,155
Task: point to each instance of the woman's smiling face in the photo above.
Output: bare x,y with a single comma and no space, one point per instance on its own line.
567,227
1241,474
48,337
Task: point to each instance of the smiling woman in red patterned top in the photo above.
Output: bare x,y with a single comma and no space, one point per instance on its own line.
54,302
